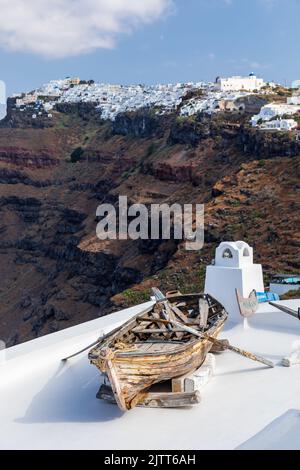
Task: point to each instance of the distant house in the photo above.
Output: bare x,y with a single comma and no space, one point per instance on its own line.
19,102
238,83
74,81
273,110
28,98
48,106
296,84
295,99
280,125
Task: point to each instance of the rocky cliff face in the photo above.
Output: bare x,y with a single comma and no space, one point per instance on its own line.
85,111
24,119
269,145
143,123
56,273
27,158
193,130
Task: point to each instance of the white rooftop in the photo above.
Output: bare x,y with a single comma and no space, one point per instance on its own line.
47,404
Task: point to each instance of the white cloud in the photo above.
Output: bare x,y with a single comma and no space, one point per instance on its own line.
2,92
268,3
248,65
62,28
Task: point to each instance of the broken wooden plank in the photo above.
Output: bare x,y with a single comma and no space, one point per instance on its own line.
153,320
160,341
173,293
165,322
158,331
203,310
180,314
170,400
171,316
163,305
156,399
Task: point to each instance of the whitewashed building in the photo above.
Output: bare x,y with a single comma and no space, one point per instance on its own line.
238,83
296,84
295,99
213,102
28,98
279,125
272,110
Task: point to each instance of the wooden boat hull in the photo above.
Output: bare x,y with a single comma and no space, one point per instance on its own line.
132,373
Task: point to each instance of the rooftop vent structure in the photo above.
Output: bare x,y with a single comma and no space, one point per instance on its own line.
234,255
233,269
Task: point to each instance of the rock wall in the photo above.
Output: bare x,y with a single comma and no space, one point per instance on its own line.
196,129
23,119
261,144
85,111
27,158
141,124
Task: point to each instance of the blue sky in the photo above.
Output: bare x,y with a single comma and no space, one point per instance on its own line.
153,41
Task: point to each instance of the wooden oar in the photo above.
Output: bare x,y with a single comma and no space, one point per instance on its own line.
98,341
106,336
165,306
287,310
239,351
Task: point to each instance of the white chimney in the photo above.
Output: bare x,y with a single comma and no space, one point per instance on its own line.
233,269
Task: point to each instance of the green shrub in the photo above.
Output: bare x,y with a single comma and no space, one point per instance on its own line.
77,154
256,214
292,294
150,150
235,202
135,297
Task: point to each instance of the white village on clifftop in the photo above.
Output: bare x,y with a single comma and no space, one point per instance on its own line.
188,99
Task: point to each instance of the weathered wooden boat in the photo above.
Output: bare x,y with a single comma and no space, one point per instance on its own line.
149,349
